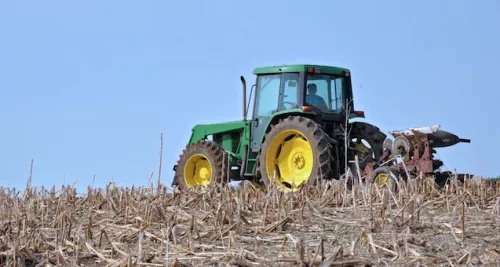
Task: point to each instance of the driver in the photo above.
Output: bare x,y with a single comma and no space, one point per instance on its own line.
314,99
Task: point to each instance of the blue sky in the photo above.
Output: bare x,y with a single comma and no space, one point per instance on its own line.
87,87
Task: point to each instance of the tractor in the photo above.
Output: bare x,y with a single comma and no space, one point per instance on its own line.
300,132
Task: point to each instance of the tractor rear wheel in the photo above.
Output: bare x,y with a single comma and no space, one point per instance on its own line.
200,164
296,151
362,131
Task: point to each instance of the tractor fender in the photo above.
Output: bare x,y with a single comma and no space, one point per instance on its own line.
283,114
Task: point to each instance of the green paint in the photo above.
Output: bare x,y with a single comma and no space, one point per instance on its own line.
235,136
300,68
353,115
231,136
202,131
251,164
285,113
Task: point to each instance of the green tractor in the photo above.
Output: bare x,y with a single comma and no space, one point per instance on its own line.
296,135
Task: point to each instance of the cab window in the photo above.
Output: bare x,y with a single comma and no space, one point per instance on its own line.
290,90
268,90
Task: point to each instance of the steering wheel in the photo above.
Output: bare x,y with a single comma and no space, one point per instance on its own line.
291,104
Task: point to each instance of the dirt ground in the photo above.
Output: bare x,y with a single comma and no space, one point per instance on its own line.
419,225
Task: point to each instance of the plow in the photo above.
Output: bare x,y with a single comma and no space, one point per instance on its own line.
301,131
416,149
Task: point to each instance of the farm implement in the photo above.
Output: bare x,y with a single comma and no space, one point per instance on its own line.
302,131
416,148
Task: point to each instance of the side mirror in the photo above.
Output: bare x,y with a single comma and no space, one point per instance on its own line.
292,83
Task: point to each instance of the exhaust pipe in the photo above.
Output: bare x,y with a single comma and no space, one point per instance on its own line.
244,84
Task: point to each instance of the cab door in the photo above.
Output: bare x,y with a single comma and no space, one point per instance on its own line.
267,102
275,92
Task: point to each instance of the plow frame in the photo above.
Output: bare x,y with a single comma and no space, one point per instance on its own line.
421,160
415,149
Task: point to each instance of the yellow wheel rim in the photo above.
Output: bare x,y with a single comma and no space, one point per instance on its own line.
198,171
365,151
290,158
383,180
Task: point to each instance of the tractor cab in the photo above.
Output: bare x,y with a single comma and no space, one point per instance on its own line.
320,92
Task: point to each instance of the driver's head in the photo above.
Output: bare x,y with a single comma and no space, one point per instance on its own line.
311,88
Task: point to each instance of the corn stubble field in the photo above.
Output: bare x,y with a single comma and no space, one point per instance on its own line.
329,225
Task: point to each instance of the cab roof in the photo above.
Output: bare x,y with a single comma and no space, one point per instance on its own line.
300,68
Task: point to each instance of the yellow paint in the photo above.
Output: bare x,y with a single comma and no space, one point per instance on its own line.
383,180
291,159
198,171
365,151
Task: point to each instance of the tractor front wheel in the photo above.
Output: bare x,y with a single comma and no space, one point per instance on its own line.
200,165
296,151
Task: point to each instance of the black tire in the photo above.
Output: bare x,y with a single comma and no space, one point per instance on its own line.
442,179
373,136
213,153
390,171
318,139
